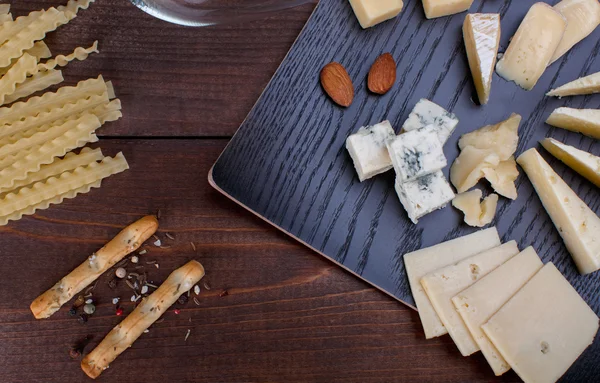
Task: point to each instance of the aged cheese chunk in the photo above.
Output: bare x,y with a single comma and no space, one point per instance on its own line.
477,213
544,328
481,32
501,138
532,47
416,153
502,178
427,113
583,16
443,284
439,8
368,149
585,85
424,195
476,304
421,262
467,170
370,13
576,223
584,163
585,121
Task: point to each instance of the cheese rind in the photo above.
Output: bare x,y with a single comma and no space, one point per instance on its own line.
439,8
426,113
443,284
532,47
585,121
421,262
424,195
477,303
576,223
368,149
477,213
584,85
370,13
584,163
481,32
543,328
583,16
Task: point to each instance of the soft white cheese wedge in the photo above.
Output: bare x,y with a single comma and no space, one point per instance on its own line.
421,262
501,138
443,284
544,328
584,163
503,177
416,153
439,8
585,85
583,16
481,32
576,223
467,169
427,113
532,47
477,213
477,303
368,149
585,121
370,13
424,195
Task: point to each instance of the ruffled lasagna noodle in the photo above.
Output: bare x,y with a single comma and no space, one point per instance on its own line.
35,83
25,66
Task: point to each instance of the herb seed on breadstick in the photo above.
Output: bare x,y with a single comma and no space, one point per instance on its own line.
149,311
126,242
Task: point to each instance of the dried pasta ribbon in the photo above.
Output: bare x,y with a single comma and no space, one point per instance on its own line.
27,65
4,9
73,7
10,29
68,181
7,18
39,50
35,83
79,53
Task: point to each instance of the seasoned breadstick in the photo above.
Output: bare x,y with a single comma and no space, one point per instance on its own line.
124,334
127,241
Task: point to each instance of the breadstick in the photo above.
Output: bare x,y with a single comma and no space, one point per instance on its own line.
127,241
149,311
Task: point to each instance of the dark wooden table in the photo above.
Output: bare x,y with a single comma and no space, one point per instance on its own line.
287,314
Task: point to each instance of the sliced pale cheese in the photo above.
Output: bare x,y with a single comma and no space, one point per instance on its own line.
443,284
421,262
585,85
532,47
502,178
544,328
576,223
584,163
502,138
476,304
585,121
467,169
481,32
439,8
477,213
370,13
583,16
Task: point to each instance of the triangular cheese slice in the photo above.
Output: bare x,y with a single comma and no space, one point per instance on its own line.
586,121
584,85
584,163
481,32
583,16
576,223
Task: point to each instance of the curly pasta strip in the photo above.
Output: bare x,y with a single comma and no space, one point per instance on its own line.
27,65
35,83
56,186
73,7
39,50
79,54
11,28
7,18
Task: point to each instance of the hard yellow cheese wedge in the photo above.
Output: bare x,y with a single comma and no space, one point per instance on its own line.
585,85
585,121
370,13
583,16
439,8
576,223
481,33
584,163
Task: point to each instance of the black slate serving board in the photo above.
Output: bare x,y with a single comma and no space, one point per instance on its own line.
288,162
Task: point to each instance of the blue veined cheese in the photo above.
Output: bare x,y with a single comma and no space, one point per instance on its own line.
368,150
424,195
427,113
416,153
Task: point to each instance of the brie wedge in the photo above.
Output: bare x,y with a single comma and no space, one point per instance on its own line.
585,85
439,8
477,213
583,16
584,163
585,121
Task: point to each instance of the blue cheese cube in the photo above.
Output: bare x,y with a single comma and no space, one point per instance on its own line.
424,195
416,153
368,150
427,113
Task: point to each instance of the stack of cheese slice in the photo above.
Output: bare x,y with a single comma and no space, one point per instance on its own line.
474,288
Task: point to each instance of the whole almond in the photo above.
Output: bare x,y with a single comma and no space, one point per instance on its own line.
337,84
382,75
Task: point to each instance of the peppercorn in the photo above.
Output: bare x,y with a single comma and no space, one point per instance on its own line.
73,311
112,284
119,312
183,299
177,311
121,273
83,318
89,308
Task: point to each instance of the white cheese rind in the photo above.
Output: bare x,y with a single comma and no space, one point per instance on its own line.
370,13
427,113
583,16
368,149
424,195
584,85
585,121
584,163
477,303
532,47
543,328
421,262
576,223
439,8
443,284
416,153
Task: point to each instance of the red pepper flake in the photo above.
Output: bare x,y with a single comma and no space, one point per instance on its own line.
119,312
224,293
177,311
